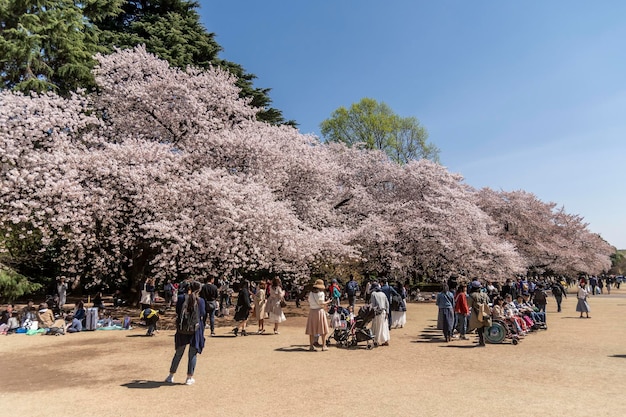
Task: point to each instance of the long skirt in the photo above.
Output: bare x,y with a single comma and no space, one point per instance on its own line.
445,321
380,328
582,306
398,318
317,322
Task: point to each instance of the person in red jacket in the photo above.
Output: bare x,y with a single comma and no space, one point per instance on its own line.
461,311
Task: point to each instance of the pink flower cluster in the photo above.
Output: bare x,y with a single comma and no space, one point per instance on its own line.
165,171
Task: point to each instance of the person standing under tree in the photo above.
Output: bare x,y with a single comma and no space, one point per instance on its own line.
259,306
274,301
351,288
558,292
461,310
316,323
210,293
380,324
478,304
445,319
244,306
62,292
583,295
190,309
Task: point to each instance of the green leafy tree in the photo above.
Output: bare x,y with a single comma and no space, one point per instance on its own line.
49,45
171,29
376,126
618,262
14,285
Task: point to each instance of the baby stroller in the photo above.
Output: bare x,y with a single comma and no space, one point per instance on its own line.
499,331
341,322
356,330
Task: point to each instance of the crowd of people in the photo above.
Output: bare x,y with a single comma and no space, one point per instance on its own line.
463,307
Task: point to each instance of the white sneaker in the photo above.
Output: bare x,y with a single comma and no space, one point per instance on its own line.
170,379
190,381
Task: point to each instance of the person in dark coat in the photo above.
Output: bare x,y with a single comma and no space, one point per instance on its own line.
190,302
244,306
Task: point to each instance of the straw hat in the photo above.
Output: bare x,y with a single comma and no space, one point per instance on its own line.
319,284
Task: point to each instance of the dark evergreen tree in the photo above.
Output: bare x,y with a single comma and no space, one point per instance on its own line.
49,45
171,29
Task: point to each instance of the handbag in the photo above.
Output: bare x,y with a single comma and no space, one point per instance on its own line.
283,303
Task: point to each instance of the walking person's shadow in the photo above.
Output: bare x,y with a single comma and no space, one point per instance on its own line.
145,384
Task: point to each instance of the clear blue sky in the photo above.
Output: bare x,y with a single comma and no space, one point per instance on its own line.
517,95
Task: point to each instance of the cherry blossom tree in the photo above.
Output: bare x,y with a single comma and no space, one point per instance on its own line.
166,172
550,240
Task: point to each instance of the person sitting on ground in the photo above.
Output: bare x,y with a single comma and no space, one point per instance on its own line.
28,314
73,324
46,318
79,312
8,320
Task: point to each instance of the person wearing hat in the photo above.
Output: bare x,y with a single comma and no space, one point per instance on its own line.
478,304
316,323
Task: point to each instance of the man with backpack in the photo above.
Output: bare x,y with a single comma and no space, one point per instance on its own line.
558,291
351,288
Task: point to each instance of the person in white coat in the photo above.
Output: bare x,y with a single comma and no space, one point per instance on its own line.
380,324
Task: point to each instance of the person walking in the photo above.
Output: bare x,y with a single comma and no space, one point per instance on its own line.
244,306
389,291
380,324
461,310
168,293
445,318
335,292
316,323
478,304
351,289
583,295
398,307
190,309
274,301
558,291
260,302
209,293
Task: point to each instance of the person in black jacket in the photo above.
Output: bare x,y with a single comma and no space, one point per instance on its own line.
558,291
242,311
209,293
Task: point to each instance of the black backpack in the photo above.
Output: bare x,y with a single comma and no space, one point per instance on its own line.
556,291
188,321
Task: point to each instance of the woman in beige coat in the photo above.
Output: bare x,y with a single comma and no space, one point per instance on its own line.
476,299
259,306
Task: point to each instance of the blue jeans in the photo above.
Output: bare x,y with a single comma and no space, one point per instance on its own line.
191,364
461,323
210,313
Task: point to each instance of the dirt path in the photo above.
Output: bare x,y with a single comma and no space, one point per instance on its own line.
576,368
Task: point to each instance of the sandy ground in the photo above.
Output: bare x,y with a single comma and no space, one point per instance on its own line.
575,368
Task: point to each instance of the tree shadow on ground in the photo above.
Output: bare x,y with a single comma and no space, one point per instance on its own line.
144,384
617,356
